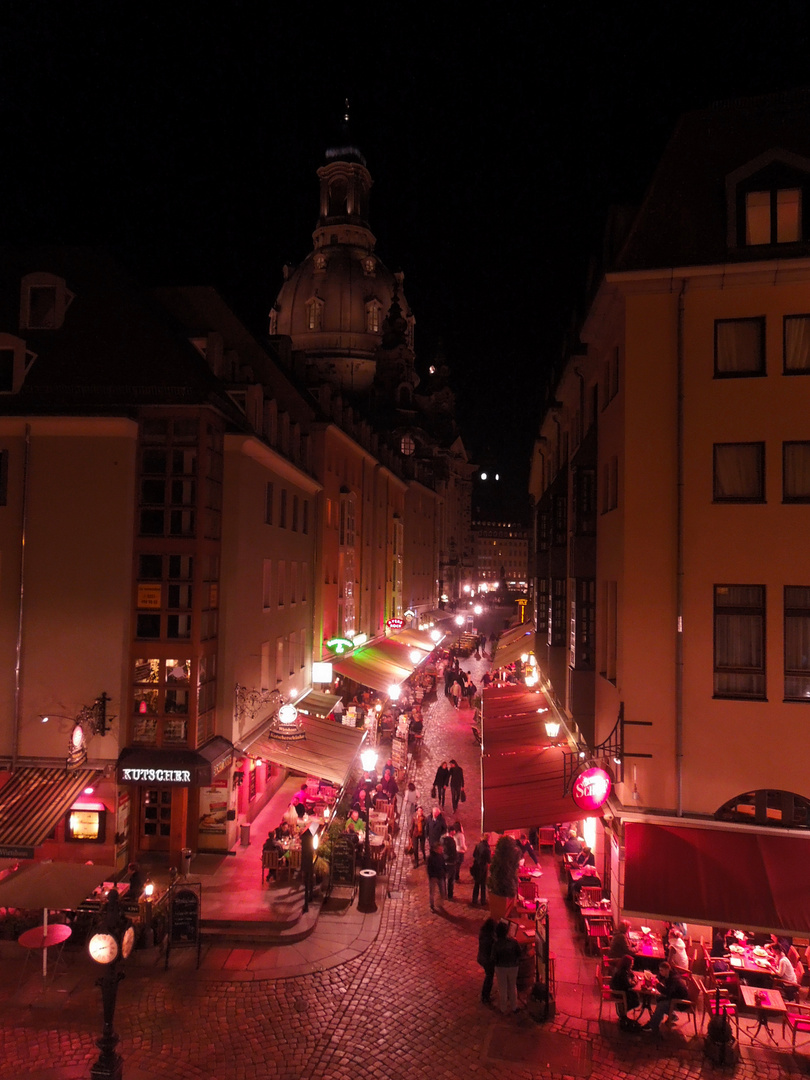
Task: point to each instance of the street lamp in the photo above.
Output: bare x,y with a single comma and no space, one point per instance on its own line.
112,942
368,759
459,624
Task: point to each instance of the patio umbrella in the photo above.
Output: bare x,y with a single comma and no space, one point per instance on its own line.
51,886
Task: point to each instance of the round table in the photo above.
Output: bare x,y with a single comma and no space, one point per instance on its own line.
37,938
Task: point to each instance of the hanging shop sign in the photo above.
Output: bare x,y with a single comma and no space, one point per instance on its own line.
591,789
395,624
340,645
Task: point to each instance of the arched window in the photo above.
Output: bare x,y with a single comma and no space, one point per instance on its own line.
314,313
373,317
780,809
407,445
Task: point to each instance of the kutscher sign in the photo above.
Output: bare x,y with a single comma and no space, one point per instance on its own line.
591,789
156,776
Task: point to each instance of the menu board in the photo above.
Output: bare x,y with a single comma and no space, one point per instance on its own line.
342,862
185,903
399,752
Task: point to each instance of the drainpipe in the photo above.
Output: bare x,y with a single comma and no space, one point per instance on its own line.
679,572
15,733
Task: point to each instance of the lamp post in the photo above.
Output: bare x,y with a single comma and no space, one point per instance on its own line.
368,760
112,942
459,624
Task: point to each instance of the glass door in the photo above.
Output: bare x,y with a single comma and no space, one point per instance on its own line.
155,818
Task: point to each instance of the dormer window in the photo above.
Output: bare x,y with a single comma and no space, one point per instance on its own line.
44,299
773,217
15,363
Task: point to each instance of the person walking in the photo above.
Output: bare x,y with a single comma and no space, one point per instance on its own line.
461,847
482,856
486,944
410,801
455,692
506,956
436,827
440,782
450,858
455,778
437,875
418,834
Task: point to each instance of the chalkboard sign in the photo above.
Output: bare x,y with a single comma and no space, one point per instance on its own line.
344,849
184,918
399,752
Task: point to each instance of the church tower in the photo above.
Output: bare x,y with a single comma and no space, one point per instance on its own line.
333,306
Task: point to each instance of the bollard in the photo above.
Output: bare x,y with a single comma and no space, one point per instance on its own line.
366,900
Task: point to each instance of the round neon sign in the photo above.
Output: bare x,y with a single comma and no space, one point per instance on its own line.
591,789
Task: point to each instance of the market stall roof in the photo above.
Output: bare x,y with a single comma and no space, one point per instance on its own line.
373,665
742,878
328,749
317,703
420,639
52,885
437,615
522,774
516,631
514,649
31,802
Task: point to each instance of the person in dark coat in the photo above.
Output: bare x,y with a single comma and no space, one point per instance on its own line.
440,782
437,875
450,857
456,780
671,989
623,978
436,827
506,955
486,943
482,856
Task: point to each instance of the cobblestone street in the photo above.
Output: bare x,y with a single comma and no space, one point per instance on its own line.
408,1007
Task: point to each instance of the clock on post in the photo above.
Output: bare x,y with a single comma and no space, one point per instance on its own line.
111,942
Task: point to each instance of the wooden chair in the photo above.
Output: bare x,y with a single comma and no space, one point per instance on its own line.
688,1006
270,861
382,806
590,896
797,1019
294,861
714,1002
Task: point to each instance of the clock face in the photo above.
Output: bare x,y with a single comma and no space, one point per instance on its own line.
103,948
77,737
128,942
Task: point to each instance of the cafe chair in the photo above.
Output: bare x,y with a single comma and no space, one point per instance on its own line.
294,861
590,896
714,1002
270,861
603,987
797,1018
688,1006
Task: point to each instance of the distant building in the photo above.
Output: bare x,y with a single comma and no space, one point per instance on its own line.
671,479
501,556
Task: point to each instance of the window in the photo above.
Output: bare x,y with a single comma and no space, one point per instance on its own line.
347,520
3,477
739,641
796,472
282,581
739,472
609,637
610,485
314,313
773,217
373,316
268,504
282,513
796,348
739,348
407,445
560,521
583,625
305,517
294,523
585,502
267,583
304,576
293,582
557,609
797,643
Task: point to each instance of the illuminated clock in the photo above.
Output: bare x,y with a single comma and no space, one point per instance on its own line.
128,941
103,948
77,737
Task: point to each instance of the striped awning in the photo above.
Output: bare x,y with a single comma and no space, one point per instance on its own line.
33,799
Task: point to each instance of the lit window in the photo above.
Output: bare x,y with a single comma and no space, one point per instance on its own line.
314,313
796,345
407,445
796,471
739,641
797,643
739,347
773,217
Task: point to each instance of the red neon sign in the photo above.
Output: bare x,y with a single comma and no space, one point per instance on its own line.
591,789
395,624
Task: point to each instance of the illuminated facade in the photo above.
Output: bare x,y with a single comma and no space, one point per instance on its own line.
670,479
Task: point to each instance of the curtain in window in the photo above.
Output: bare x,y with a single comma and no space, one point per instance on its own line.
739,641
738,347
738,471
797,643
797,343
796,471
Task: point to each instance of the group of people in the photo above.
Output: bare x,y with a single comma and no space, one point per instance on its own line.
458,684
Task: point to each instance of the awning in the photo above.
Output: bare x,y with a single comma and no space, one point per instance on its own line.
32,801
419,639
174,767
438,615
328,750
737,878
374,666
516,631
317,703
514,649
52,885
522,774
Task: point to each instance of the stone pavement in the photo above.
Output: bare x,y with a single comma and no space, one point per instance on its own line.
405,1003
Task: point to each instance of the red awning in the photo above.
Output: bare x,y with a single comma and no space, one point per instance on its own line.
737,878
522,774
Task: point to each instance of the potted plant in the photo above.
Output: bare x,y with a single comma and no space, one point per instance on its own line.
502,883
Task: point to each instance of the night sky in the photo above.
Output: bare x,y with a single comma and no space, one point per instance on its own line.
186,136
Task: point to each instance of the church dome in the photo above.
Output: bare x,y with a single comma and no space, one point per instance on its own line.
334,304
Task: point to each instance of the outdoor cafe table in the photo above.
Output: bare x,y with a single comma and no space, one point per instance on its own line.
649,950
752,965
771,1004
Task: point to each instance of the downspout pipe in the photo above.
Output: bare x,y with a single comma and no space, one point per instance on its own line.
679,568
15,733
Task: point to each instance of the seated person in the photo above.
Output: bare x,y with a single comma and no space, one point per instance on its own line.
285,831
677,955
588,879
672,989
354,823
585,855
572,846
784,972
389,786
718,948
620,945
624,978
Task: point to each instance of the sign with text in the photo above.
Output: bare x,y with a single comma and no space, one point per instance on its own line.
342,863
185,904
591,789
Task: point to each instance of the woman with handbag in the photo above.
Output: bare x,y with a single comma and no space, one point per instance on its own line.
440,782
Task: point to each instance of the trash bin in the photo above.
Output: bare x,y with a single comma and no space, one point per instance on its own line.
366,900
244,831
185,861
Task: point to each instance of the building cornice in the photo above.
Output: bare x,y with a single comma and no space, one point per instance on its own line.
251,447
